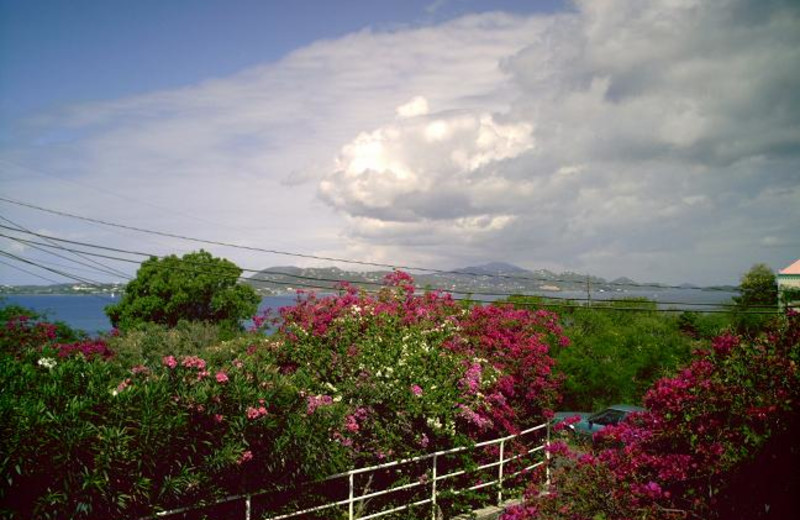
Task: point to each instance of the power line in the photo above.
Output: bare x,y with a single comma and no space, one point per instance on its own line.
56,271
38,248
339,280
18,268
605,306
333,259
24,229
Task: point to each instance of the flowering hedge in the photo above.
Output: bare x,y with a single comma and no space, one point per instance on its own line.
719,440
346,380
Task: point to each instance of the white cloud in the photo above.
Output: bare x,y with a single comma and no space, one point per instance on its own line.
657,140
641,130
418,106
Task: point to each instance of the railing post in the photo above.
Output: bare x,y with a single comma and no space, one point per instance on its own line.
247,507
350,500
547,457
433,489
500,473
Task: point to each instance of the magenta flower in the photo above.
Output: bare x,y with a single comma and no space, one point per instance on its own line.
416,390
315,401
351,424
245,457
222,377
169,361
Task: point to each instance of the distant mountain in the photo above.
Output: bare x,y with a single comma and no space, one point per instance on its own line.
493,268
493,278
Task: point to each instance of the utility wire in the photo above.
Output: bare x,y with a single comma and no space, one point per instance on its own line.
43,247
108,268
18,268
55,271
333,259
605,306
356,282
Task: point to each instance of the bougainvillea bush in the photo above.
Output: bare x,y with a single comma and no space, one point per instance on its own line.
346,380
719,440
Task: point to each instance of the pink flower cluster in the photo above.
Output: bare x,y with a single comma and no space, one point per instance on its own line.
254,413
516,343
193,362
315,401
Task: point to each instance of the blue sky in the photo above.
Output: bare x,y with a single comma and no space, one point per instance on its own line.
54,52
658,140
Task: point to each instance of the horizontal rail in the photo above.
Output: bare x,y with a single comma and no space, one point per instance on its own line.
361,498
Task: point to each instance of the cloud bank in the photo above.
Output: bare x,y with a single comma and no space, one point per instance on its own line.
657,140
663,136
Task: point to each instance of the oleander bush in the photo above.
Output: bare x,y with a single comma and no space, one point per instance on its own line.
719,440
124,426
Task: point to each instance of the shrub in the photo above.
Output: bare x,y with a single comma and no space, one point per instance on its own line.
615,355
718,422
346,379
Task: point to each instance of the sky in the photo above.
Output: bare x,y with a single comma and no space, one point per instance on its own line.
658,139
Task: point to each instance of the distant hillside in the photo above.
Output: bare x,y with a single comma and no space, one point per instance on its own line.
493,268
493,278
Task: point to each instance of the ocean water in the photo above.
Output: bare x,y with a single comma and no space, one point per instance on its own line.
85,312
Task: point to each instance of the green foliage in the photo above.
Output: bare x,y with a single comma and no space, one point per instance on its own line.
718,440
703,325
196,287
758,294
614,356
148,343
790,295
346,380
758,288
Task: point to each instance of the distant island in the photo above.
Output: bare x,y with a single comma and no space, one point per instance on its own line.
111,289
494,278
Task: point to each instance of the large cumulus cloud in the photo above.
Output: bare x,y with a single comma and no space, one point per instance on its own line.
644,137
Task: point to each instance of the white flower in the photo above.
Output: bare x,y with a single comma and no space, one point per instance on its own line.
434,422
48,363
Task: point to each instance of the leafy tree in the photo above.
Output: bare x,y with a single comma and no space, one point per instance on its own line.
196,287
614,355
758,295
758,288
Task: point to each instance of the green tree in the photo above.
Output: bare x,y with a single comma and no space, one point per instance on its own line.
758,297
758,288
196,287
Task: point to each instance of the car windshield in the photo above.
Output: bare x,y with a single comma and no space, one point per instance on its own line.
607,417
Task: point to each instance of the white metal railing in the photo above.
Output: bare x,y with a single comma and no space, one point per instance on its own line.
353,498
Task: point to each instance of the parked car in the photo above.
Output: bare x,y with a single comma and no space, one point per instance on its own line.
591,423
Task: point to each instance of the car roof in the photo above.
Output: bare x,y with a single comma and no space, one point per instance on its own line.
627,408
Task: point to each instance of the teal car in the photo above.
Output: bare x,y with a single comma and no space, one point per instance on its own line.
591,423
